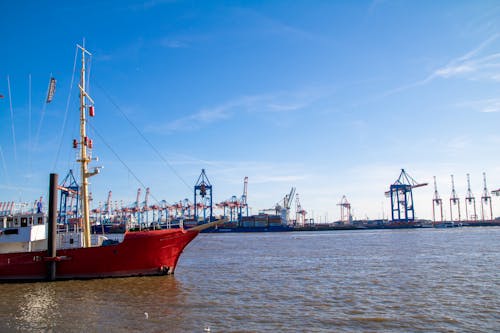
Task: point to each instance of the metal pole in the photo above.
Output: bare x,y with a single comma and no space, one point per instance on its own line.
52,235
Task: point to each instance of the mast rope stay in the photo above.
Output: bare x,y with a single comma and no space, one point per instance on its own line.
121,160
63,130
42,115
142,135
4,165
12,120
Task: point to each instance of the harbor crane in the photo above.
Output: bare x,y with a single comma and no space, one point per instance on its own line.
454,201
203,193
470,200
137,206
69,193
283,206
402,209
287,200
299,212
107,207
244,196
437,202
486,201
345,210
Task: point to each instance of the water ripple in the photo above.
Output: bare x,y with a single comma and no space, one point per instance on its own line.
348,281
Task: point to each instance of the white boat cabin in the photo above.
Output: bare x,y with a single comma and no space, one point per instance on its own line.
23,232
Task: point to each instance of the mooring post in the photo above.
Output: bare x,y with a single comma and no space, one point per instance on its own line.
52,234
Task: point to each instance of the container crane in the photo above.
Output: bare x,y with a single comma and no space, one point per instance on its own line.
486,200
287,200
282,207
243,201
454,201
345,210
470,200
300,212
69,192
437,202
137,207
203,189
401,195
145,206
107,208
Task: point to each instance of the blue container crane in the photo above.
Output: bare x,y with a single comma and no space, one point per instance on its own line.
203,190
69,189
402,209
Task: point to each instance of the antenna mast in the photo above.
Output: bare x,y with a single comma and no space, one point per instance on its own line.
85,157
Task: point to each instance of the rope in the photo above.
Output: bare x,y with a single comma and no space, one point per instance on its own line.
44,106
142,136
29,125
4,166
67,108
121,161
12,121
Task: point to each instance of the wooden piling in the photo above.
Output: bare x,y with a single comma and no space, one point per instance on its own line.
52,232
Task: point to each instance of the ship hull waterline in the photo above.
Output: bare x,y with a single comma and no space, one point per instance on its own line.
141,253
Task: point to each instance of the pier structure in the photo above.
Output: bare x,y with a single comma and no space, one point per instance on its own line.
470,203
437,203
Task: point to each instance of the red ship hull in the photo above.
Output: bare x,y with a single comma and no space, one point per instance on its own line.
154,252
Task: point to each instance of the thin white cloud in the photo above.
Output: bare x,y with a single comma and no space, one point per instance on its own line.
173,43
488,105
264,103
469,66
264,25
145,5
194,121
278,179
375,4
455,70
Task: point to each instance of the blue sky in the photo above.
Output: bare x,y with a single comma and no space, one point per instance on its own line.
331,97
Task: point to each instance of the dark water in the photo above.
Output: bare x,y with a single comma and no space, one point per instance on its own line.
423,280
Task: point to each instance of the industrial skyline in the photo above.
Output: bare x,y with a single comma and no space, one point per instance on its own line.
332,98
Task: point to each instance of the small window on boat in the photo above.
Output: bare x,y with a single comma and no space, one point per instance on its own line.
11,231
24,221
30,220
10,222
40,220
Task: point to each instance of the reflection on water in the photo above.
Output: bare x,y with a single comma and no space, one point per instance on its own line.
96,305
37,308
347,281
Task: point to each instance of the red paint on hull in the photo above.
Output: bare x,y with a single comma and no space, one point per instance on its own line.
154,252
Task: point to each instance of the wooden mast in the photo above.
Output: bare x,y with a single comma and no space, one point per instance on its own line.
84,157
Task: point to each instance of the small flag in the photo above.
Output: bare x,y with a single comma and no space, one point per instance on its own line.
52,90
